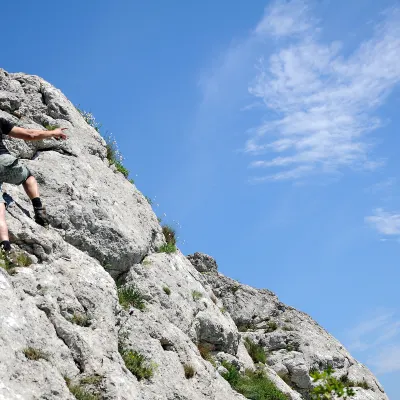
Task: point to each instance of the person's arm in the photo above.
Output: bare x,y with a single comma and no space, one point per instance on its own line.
34,134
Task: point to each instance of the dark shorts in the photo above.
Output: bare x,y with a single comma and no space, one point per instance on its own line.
12,171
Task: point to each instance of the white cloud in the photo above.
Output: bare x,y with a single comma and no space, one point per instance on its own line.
280,20
325,103
385,222
379,336
387,360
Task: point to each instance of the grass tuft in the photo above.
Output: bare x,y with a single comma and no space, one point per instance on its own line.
167,290
189,371
35,354
196,295
253,385
51,127
92,380
256,351
130,296
167,248
81,320
138,364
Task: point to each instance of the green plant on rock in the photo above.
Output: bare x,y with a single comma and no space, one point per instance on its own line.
130,296
167,290
234,288
80,319
256,351
271,326
138,364
170,238
51,127
189,371
329,387
349,383
254,385
149,200
79,392
167,248
196,295
6,263
94,380
34,354
23,260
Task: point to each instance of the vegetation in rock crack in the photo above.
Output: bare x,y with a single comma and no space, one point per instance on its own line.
189,371
167,290
223,310
6,263
34,354
235,288
114,156
256,351
349,383
130,296
146,262
167,248
51,127
138,364
253,385
23,260
80,319
205,352
196,295
245,326
94,380
79,392
149,200
329,387
170,238
271,326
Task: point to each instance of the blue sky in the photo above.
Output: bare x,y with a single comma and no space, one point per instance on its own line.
266,132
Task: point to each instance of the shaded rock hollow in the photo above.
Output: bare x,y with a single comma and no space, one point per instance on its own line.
103,230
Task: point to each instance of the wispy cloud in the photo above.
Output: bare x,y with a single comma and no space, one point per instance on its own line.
379,336
323,104
385,222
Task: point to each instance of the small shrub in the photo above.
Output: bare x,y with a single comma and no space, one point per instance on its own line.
329,386
189,371
23,260
289,347
233,374
169,234
235,288
246,326
271,326
51,127
196,295
35,354
205,352
287,320
79,392
6,263
81,320
253,385
131,181
94,380
223,310
256,351
138,364
130,296
349,383
167,248
167,290
89,119
149,200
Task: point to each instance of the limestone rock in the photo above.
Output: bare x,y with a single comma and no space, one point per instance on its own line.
203,262
60,315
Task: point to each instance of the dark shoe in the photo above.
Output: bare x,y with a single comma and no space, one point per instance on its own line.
41,216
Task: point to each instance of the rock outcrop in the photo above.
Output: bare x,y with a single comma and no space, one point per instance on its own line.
62,327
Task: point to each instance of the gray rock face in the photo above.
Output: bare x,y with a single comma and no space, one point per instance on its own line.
203,262
60,316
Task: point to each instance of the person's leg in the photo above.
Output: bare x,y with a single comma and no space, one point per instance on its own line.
4,239
32,190
31,187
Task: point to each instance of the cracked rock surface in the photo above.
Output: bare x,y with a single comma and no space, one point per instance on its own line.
64,303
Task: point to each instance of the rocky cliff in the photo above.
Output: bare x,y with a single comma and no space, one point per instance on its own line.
66,329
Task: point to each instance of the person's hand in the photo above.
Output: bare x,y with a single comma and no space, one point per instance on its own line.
59,133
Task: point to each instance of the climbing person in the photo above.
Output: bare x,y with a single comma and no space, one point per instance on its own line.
11,171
